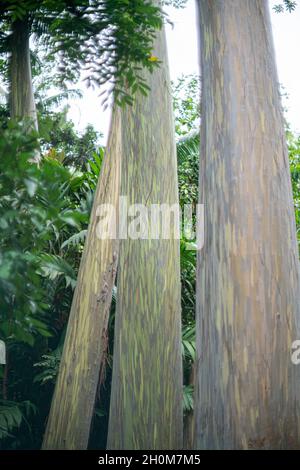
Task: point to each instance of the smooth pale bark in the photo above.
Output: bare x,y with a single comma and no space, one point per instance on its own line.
86,339
22,103
248,271
146,399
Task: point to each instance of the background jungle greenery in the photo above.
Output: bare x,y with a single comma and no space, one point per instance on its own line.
44,213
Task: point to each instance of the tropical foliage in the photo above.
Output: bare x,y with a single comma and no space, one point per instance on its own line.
44,211
45,208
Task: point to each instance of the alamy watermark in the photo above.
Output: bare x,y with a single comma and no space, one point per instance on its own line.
151,222
295,354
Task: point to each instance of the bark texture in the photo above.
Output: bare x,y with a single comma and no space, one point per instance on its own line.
146,401
22,103
248,271
85,344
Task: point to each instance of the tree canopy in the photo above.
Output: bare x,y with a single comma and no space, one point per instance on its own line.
111,40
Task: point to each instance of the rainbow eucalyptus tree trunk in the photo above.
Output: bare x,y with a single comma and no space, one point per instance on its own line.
248,271
86,341
22,103
146,400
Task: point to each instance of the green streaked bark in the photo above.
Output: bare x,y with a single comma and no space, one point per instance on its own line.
146,400
22,103
86,340
248,271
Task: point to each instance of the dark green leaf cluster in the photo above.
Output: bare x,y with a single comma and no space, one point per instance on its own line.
59,137
30,205
288,5
44,212
40,208
294,155
186,102
188,164
13,415
111,40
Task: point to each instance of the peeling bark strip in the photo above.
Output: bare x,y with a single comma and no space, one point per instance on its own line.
22,103
74,397
248,271
146,401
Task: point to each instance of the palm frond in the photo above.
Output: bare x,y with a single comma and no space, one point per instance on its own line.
53,266
188,398
12,415
189,342
188,144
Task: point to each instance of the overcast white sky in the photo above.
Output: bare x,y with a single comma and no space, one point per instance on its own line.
183,58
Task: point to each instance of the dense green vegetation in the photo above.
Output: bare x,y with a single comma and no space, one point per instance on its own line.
45,207
44,215
44,212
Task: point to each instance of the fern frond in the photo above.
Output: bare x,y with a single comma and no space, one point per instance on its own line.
75,240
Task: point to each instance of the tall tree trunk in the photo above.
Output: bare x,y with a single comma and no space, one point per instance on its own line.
248,271
22,103
146,401
85,344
